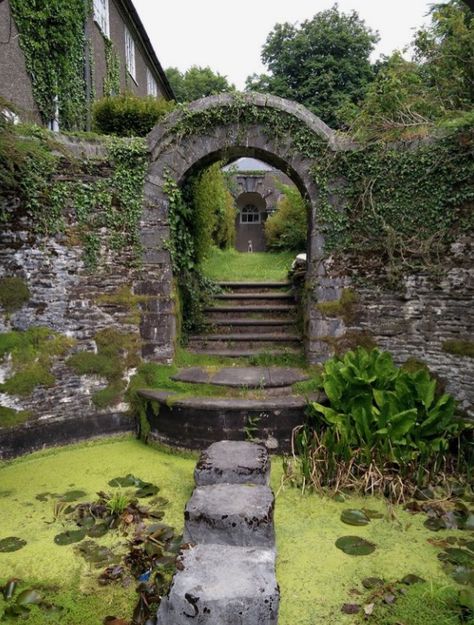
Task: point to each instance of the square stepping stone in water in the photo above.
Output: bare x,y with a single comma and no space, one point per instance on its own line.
233,462
221,585
230,514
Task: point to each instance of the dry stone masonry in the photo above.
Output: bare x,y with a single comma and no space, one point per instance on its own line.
226,573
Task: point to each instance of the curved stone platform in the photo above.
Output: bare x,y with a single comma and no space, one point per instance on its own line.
242,377
197,422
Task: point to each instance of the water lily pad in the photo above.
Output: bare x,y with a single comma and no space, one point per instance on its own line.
372,582
355,546
354,517
411,579
147,490
70,536
454,555
30,596
98,530
96,554
11,543
127,481
87,522
73,495
350,608
373,514
434,524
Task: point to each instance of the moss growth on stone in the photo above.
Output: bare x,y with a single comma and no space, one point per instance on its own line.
32,355
10,417
349,340
459,348
343,307
116,352
124,298
14,293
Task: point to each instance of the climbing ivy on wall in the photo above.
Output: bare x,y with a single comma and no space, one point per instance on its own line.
403,203
112,65
52,39
99,213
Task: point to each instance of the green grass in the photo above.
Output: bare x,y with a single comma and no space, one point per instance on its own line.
232,266
184,358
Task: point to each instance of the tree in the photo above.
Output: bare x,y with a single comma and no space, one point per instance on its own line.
445,52
197,82
323,63
287,228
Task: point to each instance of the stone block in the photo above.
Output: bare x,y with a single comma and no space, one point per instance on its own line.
233,462
221,585
230,514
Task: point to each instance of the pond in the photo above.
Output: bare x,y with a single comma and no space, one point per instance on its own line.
315,577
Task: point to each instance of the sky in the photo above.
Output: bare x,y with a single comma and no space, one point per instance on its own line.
228,36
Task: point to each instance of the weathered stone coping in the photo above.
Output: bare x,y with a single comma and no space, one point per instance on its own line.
243,377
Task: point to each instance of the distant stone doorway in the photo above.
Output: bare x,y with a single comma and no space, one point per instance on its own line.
250,223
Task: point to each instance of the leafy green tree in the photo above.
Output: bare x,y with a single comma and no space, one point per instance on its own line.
322,64
287,228
214,211
445,52
197,82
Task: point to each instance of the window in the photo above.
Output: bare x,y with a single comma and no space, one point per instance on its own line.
249,215
151,85
130,53
101,15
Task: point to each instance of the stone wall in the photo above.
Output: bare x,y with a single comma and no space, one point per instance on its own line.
412,321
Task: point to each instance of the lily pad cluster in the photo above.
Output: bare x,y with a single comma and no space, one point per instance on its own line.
11,543
152,546
19,602
380,593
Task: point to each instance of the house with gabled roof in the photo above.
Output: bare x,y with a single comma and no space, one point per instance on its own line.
117,56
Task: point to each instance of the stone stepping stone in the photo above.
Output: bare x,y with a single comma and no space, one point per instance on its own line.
230,514
221,585
233,462
243,377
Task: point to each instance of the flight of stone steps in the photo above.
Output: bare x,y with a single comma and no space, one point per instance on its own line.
249,318
226,568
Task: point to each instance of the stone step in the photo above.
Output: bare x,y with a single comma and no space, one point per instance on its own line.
261,299
258,336
233,462
244,352
242,345
246,322
258,286
230,514
227,314
243,377
277,326
255,296
222,585
265,308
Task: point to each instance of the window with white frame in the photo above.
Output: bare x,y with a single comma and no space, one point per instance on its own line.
151,84
250,215
101,15
130,53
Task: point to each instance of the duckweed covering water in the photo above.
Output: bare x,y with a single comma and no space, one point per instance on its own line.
315,577
70,582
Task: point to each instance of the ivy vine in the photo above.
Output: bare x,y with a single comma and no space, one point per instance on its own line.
112,69
52,39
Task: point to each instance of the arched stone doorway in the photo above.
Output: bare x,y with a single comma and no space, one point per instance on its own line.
250,219
220,128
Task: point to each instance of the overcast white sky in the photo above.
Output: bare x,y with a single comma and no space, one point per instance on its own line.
228,36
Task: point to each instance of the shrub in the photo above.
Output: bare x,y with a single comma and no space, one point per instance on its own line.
381,421
287,228
129,115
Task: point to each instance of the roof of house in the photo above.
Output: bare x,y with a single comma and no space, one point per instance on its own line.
145,40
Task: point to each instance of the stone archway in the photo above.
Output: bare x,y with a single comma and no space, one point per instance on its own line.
220,128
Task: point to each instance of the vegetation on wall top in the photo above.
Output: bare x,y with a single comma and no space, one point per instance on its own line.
128,115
